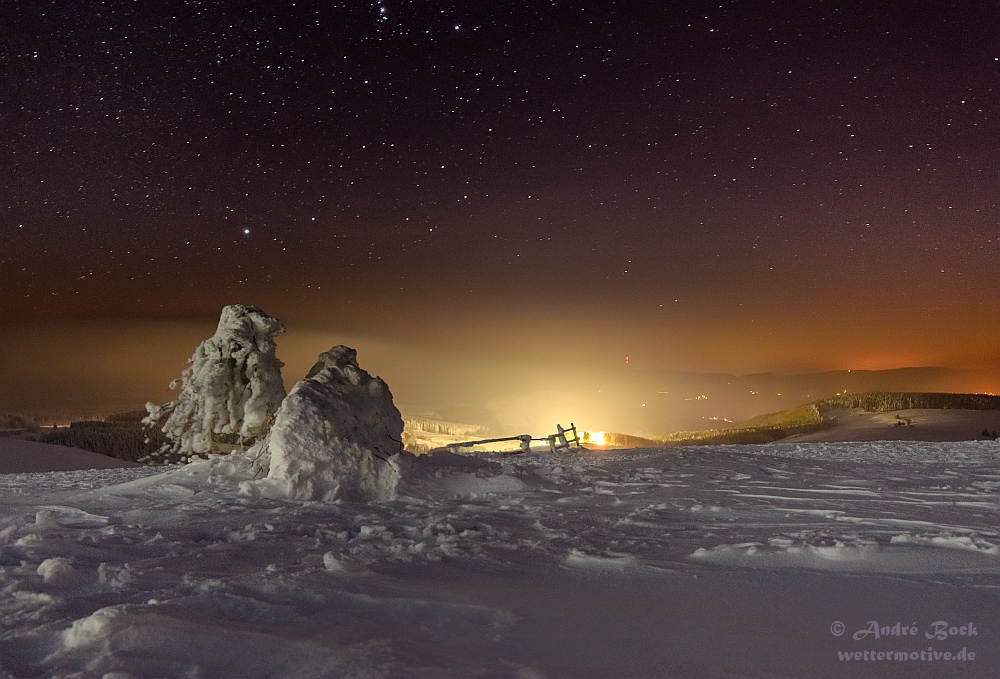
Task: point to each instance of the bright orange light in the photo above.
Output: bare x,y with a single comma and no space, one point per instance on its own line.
594,437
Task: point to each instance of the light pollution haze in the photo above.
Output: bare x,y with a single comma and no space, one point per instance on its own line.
516,382
497,203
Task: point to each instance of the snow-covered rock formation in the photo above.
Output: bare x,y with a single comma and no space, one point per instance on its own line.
337,435
233,385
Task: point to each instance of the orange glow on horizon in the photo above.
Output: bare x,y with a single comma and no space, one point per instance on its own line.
888,361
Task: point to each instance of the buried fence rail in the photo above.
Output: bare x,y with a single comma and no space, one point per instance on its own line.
525,440
561,440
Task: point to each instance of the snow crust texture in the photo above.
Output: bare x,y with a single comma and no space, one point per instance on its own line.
233,385
338,435
717,562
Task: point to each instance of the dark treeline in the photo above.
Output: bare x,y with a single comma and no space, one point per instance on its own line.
126,440
887,401
740,436
16,421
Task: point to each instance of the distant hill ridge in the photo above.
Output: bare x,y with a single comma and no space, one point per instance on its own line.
813,416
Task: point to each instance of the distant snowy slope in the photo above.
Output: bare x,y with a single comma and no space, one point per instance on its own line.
20,456
917,424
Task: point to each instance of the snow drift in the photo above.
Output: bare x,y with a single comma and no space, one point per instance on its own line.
337,435
710,562
233,385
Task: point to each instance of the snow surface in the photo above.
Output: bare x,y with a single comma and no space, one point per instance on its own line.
727,561
233,385
939,424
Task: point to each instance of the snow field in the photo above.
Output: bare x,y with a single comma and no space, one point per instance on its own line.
728,561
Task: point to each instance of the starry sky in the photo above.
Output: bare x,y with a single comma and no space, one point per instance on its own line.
699,186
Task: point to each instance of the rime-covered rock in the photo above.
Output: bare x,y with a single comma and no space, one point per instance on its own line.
337,435
233,385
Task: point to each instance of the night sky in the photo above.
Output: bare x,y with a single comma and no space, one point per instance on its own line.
725,186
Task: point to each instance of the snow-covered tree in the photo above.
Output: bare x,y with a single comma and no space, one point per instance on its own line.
233,385
337,435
